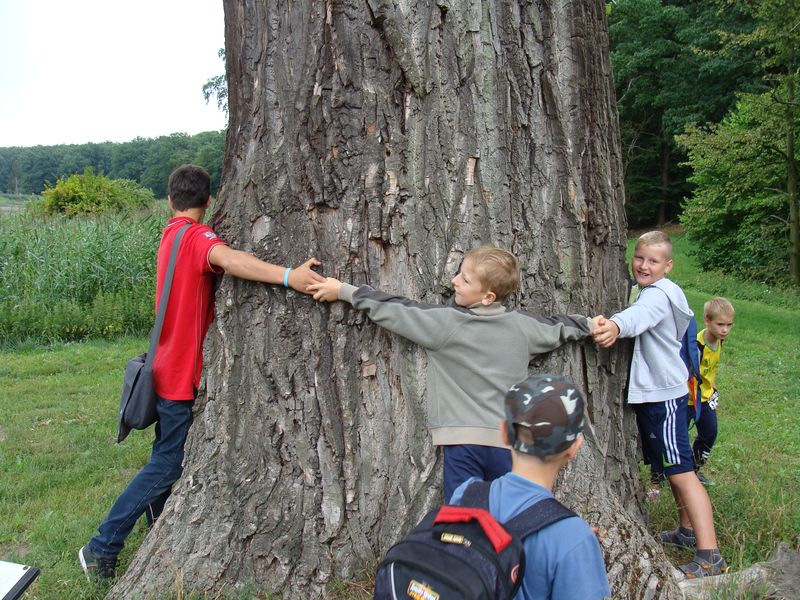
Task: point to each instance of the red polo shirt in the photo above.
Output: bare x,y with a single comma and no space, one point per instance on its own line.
190,310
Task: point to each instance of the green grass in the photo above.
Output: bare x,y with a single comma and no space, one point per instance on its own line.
60,470
756,459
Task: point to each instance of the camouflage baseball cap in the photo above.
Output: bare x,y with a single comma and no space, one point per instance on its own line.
544,414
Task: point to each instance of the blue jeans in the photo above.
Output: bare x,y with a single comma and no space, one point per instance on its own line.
149,490
463,461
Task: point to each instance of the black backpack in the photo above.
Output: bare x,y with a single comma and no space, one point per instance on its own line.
462,552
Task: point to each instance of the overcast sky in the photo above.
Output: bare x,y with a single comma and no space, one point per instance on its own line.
76,71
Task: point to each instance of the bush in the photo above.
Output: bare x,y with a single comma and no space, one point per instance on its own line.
738,214
67,320
70,278
89,193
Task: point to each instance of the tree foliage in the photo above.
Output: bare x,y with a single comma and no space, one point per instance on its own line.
147,161
217,87
668,74
739,201
90,193
745,169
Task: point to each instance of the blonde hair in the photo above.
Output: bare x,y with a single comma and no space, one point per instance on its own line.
718,306
497,270
654,238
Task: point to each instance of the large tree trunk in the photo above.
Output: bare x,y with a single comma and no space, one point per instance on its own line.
387,138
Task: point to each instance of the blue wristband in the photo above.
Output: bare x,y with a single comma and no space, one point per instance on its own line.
286,276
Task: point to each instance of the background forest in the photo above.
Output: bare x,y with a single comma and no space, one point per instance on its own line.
706,93
147,161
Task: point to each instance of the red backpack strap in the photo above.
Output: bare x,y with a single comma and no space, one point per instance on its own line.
498,536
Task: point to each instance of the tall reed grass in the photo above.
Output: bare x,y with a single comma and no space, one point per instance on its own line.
68,278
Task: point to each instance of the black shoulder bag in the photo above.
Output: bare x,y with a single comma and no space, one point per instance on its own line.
137,405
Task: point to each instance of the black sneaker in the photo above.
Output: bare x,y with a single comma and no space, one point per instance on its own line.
96,566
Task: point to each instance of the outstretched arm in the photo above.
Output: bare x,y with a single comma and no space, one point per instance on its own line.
425,324
246,266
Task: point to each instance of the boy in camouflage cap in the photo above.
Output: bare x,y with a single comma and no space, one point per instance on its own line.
544,415
544,426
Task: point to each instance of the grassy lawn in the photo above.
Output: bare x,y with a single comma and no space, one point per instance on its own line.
755,464
61,470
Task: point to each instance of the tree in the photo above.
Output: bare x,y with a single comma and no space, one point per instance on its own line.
165,154
739,198
89,193
128,159
387,139
217,86
748,165
668,74
776,36
209,153
14,177
145,160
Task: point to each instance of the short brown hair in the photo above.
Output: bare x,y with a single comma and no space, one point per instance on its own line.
718,306
654,238
189,186
497,270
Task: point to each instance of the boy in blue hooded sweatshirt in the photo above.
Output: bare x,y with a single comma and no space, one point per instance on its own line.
657,390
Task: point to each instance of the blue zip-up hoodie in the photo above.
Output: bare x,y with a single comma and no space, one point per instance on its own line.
657,319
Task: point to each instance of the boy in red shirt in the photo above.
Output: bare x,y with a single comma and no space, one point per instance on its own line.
179,357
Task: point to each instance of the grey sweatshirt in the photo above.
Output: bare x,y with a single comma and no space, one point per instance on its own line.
657,319
474,355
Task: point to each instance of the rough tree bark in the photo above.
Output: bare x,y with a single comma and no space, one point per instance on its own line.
386,138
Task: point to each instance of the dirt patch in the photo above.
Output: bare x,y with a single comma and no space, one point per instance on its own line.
19,551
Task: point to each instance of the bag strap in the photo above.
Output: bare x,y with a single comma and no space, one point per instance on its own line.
691,358
689,352
476,494
532,519
493,530
535,518
155,334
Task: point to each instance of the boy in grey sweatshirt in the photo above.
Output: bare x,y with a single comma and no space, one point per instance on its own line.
659,394
476,350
